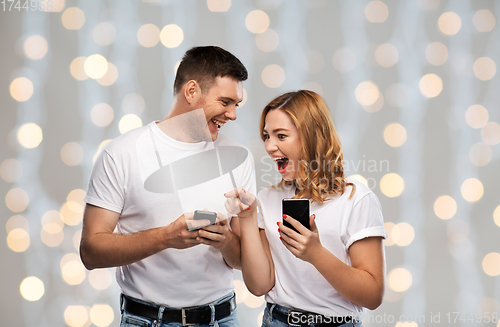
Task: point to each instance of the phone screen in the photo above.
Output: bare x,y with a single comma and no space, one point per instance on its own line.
298,209
204,215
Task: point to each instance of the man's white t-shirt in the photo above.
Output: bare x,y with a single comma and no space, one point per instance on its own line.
151,180
341,222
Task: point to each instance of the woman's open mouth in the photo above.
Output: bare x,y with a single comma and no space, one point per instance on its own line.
282,163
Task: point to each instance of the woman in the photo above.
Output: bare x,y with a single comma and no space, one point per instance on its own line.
336,268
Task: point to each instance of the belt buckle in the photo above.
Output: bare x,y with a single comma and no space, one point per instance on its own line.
183,317
288,318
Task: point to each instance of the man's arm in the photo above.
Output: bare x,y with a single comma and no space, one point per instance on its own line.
100,248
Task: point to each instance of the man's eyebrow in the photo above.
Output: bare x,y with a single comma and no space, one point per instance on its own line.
229,99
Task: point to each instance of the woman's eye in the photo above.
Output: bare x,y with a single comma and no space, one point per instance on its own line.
281,136
266,136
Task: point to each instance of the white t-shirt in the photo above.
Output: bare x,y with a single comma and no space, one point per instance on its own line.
191,178
341,222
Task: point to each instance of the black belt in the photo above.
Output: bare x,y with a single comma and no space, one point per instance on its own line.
303,318
186,316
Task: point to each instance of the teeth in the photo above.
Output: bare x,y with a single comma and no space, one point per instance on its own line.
279,158
218,123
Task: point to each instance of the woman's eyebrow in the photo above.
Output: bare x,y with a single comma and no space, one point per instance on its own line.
276,130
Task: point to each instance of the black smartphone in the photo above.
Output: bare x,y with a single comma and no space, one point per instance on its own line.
204,215
298,209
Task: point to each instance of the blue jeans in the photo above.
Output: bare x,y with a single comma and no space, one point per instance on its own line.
269,321
130,320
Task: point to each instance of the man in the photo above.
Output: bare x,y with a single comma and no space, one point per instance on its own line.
147,183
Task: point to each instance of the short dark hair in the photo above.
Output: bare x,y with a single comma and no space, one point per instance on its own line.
205,64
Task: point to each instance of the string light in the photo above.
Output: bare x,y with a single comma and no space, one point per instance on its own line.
257,21
367,93
148,35
267,41
218,5
21,89
171,36
273,76
32,288
445,207
399,279
395,135
35,47
449,23
73,18
392,185
376,12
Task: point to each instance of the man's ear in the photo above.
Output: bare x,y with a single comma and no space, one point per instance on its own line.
192,91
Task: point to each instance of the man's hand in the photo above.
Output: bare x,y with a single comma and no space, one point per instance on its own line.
223,239
216,235
177,234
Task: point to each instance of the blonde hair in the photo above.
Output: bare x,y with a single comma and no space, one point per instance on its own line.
321,151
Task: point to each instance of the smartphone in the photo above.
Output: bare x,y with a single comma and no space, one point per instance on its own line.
298,209
204,215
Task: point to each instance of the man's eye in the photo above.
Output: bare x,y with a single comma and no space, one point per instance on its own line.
225,103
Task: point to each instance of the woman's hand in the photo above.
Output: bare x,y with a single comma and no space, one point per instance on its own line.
241,203
303,245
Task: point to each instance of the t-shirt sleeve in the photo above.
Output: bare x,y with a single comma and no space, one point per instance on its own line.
260,218
105,187
365,220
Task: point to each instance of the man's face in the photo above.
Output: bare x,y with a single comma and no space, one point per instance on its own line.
220,103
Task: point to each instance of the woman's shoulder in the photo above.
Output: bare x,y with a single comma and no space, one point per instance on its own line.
271,192
361,190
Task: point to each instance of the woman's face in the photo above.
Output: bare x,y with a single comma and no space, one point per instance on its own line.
282,143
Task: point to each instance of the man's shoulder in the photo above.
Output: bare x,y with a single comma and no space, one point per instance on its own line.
125,142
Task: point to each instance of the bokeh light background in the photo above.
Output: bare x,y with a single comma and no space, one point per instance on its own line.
412,86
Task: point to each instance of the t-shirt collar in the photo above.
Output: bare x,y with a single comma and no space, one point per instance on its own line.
173,142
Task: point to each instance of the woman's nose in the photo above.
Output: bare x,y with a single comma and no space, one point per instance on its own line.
271,146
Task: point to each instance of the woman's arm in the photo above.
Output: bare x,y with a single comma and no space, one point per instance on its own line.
256,261
362,284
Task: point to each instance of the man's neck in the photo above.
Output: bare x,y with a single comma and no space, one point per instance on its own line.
188,127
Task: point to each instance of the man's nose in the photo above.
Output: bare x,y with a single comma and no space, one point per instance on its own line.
231,113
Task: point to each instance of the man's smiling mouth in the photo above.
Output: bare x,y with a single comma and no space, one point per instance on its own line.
218,123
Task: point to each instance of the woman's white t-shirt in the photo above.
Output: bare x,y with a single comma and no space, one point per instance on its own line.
341,222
